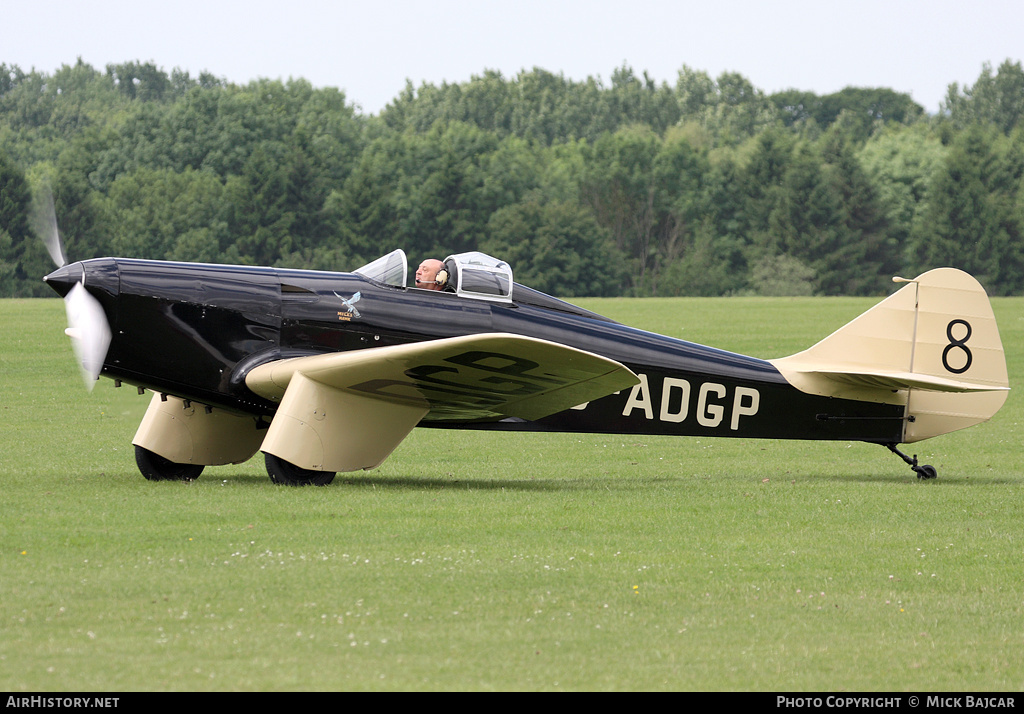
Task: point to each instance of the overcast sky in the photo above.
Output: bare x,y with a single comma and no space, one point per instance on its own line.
368,48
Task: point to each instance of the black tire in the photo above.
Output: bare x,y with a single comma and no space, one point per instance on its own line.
156,468
926,472
286,473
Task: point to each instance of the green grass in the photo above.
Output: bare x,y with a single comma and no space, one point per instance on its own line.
476,561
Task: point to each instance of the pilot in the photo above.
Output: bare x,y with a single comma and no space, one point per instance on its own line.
426,275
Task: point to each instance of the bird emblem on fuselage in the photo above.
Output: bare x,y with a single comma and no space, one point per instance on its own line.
350,310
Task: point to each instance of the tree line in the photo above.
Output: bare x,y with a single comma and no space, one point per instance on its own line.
632,187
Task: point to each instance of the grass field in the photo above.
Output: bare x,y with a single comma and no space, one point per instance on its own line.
476,561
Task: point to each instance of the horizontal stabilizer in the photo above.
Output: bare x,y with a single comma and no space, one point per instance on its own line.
903,380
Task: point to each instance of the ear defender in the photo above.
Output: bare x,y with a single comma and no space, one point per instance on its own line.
442,277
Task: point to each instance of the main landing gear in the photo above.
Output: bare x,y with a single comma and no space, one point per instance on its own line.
156,468
924,472
288,474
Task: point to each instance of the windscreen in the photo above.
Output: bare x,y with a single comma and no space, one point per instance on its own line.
390,269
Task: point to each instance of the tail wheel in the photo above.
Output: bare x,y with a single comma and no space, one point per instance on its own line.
926,472
288,474
156,468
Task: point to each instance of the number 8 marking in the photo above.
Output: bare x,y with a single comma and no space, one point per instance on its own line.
962,344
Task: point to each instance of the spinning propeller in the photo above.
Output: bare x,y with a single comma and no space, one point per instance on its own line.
87,323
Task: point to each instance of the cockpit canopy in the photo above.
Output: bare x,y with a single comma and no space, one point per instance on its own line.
478,275
475,276
472,275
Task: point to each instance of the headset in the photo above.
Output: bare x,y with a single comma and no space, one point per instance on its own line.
442,277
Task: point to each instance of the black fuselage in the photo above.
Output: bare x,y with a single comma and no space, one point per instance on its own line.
194,331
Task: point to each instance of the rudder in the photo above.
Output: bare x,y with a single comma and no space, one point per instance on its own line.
958,339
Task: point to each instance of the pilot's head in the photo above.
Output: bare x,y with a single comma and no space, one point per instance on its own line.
426,274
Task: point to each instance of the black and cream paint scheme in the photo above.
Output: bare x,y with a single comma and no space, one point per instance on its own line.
326,372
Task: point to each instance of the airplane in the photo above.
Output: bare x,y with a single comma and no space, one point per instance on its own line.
328,372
